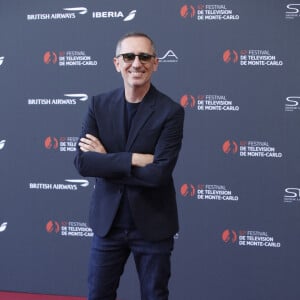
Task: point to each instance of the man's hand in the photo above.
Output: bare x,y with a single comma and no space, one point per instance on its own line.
141,160
91,143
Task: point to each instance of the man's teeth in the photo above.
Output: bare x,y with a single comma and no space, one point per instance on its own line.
136,72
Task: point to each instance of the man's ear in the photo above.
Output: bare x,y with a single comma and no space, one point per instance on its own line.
117,64
155,65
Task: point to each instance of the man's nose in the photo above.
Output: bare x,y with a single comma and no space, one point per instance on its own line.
136,62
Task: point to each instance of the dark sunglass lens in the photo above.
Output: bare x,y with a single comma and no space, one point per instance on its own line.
128,56
145,57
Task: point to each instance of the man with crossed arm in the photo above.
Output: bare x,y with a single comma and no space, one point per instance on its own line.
130,143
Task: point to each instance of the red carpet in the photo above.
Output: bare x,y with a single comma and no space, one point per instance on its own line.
25,296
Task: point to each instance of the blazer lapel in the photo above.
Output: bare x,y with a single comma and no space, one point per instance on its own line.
144,112
118,129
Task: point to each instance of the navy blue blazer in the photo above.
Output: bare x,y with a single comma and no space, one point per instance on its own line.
157,129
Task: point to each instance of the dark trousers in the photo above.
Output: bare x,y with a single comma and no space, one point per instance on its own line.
109,255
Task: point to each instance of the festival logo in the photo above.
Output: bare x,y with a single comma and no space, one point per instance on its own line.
62,144
230,56
52,226
187,11
230,146
73,58
292,11
254,149
188,101
188,190
2,144
247,238
208,12
229,236
50,57
291,195
250,58
51,143
208,103
69,229
208,192
292,103
68,99
69,185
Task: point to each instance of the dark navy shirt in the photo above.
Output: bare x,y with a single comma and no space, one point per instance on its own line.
123,218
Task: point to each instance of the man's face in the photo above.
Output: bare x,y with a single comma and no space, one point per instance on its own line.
136,73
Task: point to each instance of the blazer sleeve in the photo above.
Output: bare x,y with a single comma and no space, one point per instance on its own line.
165,156
116,167
92,164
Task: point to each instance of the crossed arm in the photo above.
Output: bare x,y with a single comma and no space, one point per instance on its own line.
90,143
137,169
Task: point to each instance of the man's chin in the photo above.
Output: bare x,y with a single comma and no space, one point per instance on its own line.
138,82
137,78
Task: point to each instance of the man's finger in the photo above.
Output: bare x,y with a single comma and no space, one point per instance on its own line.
84,149
91,137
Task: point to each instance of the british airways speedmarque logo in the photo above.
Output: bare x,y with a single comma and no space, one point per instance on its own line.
79,10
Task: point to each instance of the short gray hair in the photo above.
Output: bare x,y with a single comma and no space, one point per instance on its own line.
134,34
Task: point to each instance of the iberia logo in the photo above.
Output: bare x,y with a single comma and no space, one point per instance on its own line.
188,190
2,144
3,226
51,143
50,57
229,235
230,56
52,227
230,146
188,101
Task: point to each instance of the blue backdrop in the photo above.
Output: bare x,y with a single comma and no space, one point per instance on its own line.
234,66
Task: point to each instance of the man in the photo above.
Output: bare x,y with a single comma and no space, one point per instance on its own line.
130,143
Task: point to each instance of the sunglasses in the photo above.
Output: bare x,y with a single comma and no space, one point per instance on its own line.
130,57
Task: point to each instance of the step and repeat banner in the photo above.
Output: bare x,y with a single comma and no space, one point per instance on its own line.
235,68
